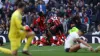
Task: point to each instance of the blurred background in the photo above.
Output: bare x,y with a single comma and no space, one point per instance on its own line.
87,12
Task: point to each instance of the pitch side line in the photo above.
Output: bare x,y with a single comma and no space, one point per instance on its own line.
38,50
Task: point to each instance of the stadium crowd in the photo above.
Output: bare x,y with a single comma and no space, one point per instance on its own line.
40,14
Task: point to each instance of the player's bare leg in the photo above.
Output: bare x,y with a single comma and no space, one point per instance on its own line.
74,48
30,36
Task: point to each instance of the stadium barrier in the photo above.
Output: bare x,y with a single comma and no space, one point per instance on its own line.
91,38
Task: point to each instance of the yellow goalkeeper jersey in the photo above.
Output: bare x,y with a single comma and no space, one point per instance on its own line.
15,24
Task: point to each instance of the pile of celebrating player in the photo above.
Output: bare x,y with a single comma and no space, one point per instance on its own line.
53,34
52,31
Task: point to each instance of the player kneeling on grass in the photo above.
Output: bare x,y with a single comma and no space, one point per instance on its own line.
75,37
18,32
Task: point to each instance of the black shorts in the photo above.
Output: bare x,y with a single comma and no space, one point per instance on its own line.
67,49
59,28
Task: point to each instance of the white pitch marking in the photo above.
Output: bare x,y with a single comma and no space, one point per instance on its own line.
38,50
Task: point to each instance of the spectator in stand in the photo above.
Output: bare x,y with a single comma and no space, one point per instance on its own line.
50,5
12,1
65,22
29,18
81,12
26,1
1,4
80,3
7,4
86,21
0,18
46,1
32,1
89,15
98,15
2,24
31,7
41,7
70,3
75,11
61,11
98,31
93,9
99,28
69,11
89,12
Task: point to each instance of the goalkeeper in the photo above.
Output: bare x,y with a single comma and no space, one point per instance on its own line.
18,32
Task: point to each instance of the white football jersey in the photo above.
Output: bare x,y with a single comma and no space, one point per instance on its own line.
69,41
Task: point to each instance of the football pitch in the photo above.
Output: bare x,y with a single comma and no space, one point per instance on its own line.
53,51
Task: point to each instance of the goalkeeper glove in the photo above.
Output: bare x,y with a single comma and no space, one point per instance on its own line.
27,28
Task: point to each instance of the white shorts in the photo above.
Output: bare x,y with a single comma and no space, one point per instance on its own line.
67,45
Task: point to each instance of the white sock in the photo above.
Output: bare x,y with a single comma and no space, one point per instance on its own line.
83,46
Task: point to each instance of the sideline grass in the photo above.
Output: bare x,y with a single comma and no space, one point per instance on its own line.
53,51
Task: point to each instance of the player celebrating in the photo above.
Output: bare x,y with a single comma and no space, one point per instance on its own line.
18,32
56,28
75,37
41,22
41,25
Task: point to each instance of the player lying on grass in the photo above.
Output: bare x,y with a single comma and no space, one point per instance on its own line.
18,32
74,37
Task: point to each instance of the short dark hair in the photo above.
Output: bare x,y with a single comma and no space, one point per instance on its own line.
83,28
21,4
41,14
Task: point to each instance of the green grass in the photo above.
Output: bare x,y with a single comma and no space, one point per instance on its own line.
53,51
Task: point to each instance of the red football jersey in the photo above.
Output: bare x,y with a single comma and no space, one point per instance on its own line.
56,21
34,22
40,21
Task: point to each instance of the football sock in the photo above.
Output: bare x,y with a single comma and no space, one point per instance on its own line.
83,46
98,48
4,50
